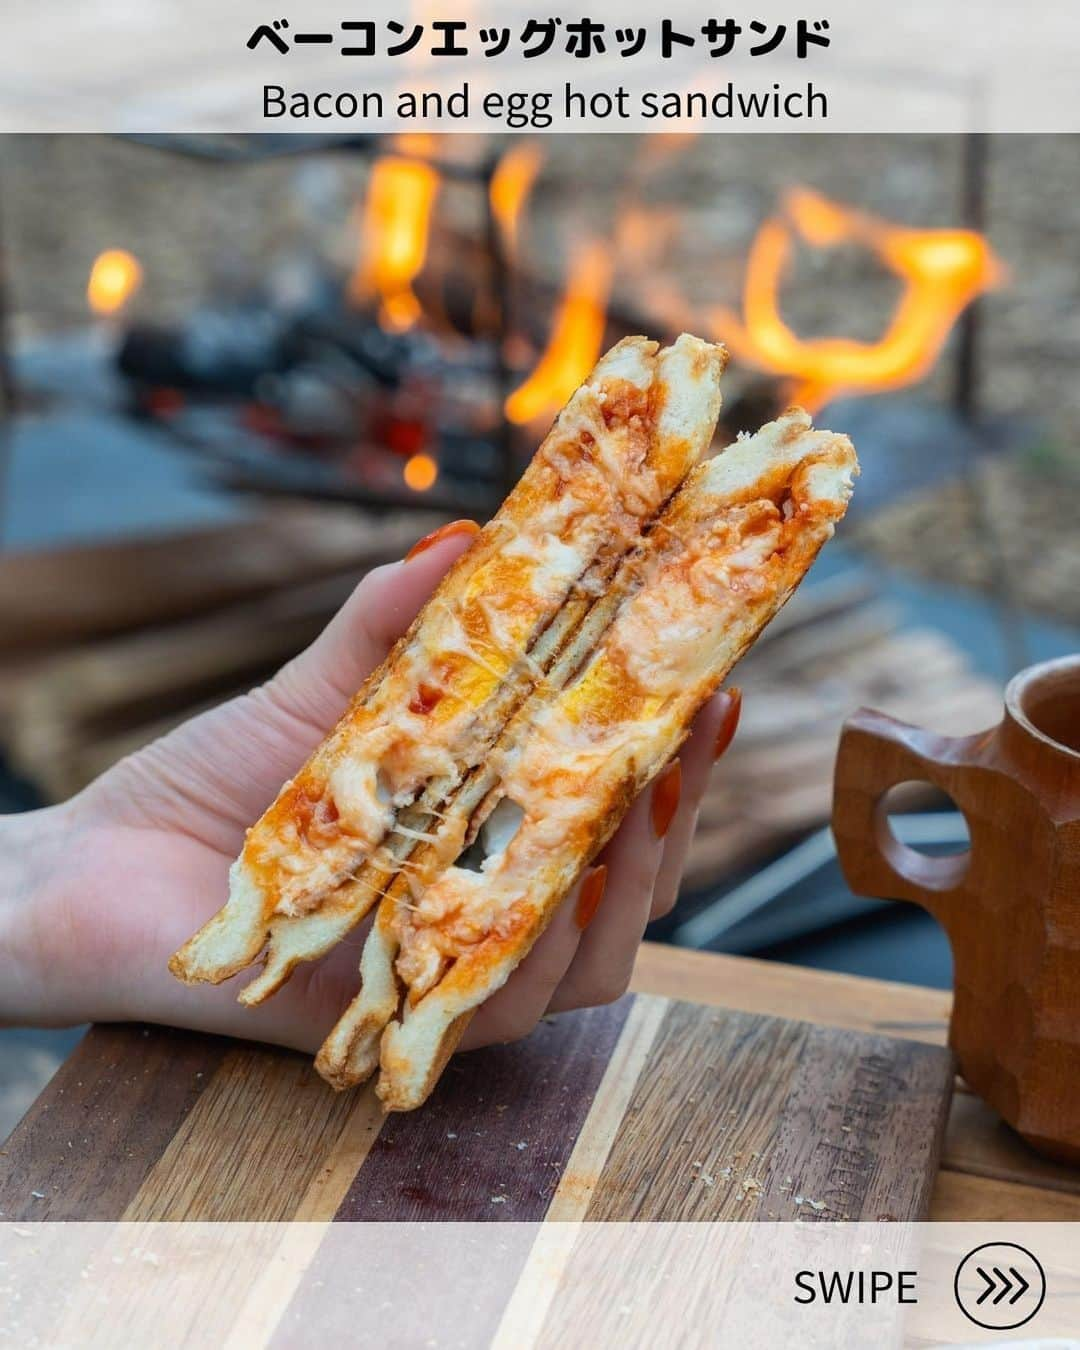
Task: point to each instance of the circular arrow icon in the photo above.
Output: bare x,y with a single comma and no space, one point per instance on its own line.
999,1286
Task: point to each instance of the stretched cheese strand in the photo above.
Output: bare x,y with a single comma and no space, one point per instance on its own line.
619,448
732,546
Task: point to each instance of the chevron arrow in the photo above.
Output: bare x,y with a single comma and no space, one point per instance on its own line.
1024,1285
1001,1286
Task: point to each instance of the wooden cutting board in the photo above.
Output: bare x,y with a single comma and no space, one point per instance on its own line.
645,1109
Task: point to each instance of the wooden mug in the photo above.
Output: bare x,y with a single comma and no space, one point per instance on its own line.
1010,904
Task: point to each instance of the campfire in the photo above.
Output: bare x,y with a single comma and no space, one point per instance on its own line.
409,378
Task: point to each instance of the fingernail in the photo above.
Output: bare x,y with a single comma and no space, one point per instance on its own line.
448,531
665,798
590,895
726,734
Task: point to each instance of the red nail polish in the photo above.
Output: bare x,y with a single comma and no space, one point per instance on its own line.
590,895
665,798
443,532
728,726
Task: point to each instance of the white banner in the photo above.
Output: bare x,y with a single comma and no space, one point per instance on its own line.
477,65
520,1285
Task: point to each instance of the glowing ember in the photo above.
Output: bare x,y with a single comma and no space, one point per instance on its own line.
114,278
511,184
576,337
420,472
943,271
395,227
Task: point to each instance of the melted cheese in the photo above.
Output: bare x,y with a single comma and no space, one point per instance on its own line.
362,800
600,474
708,583
553,562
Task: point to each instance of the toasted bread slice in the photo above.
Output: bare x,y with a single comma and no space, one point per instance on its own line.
351,1051
719,563
324,851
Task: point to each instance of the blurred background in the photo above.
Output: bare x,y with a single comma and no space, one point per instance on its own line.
236,372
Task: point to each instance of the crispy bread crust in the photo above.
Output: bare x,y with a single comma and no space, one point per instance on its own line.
323,852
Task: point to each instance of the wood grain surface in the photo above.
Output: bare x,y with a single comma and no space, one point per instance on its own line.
495,1139
251,1145
980,1150
980,1144
960,1198
646,1108
90,1140
738,1116
880,1007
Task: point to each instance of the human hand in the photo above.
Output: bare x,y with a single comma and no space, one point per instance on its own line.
110,884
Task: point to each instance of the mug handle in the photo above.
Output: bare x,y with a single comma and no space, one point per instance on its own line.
876,753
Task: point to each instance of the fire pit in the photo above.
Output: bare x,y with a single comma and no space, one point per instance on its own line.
400,378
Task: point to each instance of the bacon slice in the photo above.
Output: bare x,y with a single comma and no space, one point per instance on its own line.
686,604
344,827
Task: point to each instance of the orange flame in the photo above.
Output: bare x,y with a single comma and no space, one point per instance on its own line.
511,184
395,228
576,337
942,272
420,472
114,278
